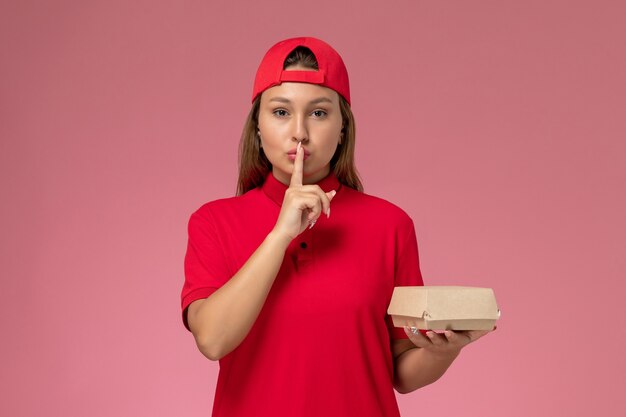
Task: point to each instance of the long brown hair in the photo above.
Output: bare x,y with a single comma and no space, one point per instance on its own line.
254,165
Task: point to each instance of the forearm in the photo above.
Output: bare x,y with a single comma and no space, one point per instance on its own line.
223,320
418,367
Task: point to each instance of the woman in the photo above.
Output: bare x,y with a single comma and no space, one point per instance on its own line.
291,300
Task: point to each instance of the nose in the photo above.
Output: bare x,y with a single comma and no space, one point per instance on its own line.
300,131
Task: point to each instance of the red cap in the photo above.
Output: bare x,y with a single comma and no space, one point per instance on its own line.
332,71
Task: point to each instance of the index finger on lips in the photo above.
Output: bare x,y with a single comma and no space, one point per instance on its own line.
296,175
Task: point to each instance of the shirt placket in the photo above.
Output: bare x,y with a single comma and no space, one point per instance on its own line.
304,248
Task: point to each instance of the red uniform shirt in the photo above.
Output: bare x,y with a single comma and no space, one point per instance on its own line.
321,343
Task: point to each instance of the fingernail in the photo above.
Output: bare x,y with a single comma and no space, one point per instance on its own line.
334,192
328,213
298,147
430,334
312,224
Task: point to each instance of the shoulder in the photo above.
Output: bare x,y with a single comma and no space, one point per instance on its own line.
223,207
378,207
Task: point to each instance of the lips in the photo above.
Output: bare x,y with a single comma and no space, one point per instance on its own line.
292,156
293,152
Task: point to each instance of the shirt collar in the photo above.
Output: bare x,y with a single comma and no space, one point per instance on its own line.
275,189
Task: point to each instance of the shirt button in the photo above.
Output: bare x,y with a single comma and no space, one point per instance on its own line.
303,245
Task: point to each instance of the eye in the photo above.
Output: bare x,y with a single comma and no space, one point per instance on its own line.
320,113
280,112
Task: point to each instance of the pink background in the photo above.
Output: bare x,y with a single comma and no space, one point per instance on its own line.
499,126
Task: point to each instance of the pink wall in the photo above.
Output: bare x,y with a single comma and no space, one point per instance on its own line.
497,125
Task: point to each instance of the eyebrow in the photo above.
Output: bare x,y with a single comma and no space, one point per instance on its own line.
315,101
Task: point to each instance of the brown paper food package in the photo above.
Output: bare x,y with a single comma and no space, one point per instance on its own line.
444,308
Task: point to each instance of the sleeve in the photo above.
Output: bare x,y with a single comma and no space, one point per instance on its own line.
407,270
205,265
